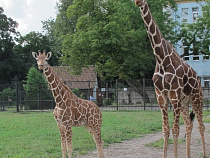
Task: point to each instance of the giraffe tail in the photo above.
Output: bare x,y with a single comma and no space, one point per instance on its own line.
192,116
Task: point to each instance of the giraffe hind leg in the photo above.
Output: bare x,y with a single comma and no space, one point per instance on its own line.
96,134
201,127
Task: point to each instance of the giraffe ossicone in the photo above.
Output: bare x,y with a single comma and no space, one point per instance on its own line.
174,81
70,110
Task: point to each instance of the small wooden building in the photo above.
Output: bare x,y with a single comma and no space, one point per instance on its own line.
86,82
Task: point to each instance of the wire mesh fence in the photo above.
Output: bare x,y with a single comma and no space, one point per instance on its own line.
108,95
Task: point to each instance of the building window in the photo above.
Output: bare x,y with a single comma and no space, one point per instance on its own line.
206,57
206,81
196,58
186,58
195,14
185,15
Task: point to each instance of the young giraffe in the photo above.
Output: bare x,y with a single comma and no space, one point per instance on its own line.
70,110
174,80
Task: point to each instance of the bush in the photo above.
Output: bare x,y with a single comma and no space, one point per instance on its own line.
78,93
8,94
107,101
36,88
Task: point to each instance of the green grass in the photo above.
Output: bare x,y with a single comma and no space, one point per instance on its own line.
35,134
206,116
159,143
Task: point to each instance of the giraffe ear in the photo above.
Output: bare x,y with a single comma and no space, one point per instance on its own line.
35,55
49,55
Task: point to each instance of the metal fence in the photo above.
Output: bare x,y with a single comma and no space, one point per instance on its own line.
108,95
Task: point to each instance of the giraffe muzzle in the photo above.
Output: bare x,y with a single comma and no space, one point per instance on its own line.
138,3
41,67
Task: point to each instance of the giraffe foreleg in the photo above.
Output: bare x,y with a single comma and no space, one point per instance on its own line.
63,140
166,130
165,126
69,141
175,129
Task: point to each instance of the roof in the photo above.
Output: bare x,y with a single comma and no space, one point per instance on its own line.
84,81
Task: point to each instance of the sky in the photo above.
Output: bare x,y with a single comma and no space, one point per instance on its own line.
29,13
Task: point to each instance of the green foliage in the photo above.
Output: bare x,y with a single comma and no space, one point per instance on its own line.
111,35
8,94
15,52
197,34
8,58
54,43
159,143
107,101
36,87
34,77
78,93
61,25
33,42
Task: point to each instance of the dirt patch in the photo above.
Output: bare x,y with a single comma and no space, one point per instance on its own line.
136,148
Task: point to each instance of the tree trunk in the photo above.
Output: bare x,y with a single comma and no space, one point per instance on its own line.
140,89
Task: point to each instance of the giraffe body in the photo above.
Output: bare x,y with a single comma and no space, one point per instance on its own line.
71,110
174,81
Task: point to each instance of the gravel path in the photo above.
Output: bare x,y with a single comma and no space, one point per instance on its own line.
136,148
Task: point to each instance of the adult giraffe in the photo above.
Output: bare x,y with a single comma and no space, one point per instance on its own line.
70,110
176,81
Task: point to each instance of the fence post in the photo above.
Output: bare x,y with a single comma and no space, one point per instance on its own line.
40,97
17,96
117,93
144,93
88,90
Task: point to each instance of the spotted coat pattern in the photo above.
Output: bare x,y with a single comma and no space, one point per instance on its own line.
71,110
174,81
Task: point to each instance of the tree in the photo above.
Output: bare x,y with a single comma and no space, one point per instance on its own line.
196,34
15,50
8,59
8,94
50,33
36,84
62,25
29,43
111,35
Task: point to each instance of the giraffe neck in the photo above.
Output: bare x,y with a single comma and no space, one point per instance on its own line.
154,34
60,91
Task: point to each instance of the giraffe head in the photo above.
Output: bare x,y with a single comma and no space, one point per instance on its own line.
42,59
140,3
